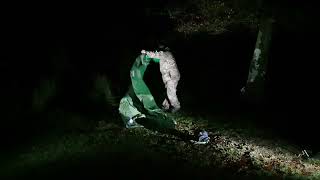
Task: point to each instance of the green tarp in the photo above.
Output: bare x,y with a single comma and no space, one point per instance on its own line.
139,101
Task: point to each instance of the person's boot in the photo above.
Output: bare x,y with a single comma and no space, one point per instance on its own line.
175,108
165,105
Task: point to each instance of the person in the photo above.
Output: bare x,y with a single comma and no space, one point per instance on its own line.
138,101
170,76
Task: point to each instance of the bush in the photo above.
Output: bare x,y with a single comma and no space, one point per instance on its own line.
43,94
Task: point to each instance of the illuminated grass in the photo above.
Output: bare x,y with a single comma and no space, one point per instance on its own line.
231,149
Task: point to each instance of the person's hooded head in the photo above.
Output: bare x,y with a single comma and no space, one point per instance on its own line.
163,47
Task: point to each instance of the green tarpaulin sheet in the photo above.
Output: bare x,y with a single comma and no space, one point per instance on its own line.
139,102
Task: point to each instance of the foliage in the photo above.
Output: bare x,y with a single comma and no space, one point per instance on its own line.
43,94
213,16
102,89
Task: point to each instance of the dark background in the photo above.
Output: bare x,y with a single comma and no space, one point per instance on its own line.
72,43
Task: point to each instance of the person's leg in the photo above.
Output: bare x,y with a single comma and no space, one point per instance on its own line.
172,95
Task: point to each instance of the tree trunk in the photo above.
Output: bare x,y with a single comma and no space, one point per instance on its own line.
255,86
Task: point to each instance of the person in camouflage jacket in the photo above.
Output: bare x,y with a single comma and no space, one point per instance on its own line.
170,76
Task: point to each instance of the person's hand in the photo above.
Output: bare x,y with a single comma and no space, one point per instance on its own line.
151,54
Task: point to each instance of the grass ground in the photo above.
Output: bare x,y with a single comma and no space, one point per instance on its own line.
234,152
